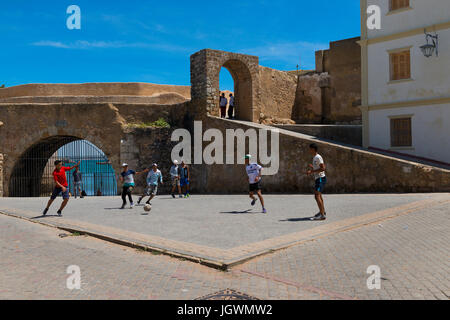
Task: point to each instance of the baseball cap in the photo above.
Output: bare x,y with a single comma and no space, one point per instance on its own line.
248,156
175,162
125,165
154,165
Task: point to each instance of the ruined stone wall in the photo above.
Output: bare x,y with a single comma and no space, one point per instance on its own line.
330,94
308,107
348,170
103,124
342,95
93,89
141,147
277,93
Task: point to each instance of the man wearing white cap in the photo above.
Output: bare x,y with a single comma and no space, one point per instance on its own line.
175,175
254,172
154,177
127,178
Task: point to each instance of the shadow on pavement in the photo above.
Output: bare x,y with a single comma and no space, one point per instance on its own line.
249,211
298,219
46,216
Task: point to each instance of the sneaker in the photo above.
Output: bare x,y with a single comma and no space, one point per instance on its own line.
254,201
264,210
173,195
148,202
180,196
319,215
59,213
140,199
123,206
188,195
319,218
131,205
45,211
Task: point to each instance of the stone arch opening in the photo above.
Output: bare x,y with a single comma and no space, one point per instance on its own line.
205,83
32,173
243,88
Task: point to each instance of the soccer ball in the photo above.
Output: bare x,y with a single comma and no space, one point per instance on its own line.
148,208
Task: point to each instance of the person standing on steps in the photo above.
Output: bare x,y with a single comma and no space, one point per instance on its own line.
223,106
231,107
127,179
61,186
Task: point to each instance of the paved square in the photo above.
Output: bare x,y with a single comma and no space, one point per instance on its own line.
219,230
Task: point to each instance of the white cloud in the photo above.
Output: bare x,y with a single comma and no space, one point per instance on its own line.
84,45
288,52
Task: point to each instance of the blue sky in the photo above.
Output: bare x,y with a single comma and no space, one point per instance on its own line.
151,41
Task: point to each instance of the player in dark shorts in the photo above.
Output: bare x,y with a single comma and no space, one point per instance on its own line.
254,172
318,169
185,178
61,186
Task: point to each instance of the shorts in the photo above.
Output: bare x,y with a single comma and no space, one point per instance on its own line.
175,181
57,191
320,184
184,182
255,186
151,190
78,184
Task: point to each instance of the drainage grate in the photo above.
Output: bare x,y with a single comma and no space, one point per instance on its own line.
228,294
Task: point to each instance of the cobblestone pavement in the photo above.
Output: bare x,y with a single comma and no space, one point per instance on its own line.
411,250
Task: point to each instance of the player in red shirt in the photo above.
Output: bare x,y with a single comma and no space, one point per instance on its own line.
61,186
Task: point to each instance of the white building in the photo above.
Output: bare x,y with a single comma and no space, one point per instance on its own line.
406,95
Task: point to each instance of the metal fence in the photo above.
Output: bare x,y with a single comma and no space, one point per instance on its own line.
33,175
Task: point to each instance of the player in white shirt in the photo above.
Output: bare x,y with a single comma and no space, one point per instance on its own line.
318,169
254,172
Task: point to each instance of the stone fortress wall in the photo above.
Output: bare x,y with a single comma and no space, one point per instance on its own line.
122,130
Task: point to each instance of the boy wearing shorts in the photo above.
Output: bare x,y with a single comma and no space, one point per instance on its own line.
61,186
318,169
254,172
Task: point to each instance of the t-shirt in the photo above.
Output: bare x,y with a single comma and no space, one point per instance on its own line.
317,161
184,172
223,102
76,176
174,171
232,101
60,176
253,170
128,177
154,177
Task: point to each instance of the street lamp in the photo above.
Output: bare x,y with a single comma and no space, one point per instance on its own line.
429,48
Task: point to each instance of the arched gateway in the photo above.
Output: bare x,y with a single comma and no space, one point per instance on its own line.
205,73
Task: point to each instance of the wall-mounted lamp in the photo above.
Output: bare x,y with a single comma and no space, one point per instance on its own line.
429,48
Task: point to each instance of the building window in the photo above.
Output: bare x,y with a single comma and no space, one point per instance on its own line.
401,132
400,65
398,4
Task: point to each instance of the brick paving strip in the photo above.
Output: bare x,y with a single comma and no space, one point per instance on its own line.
216,257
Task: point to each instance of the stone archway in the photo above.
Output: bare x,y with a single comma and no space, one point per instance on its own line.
32,173
55,125
205,74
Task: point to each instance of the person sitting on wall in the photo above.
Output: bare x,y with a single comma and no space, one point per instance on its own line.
223,106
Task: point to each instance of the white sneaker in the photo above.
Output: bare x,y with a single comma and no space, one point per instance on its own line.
132,205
